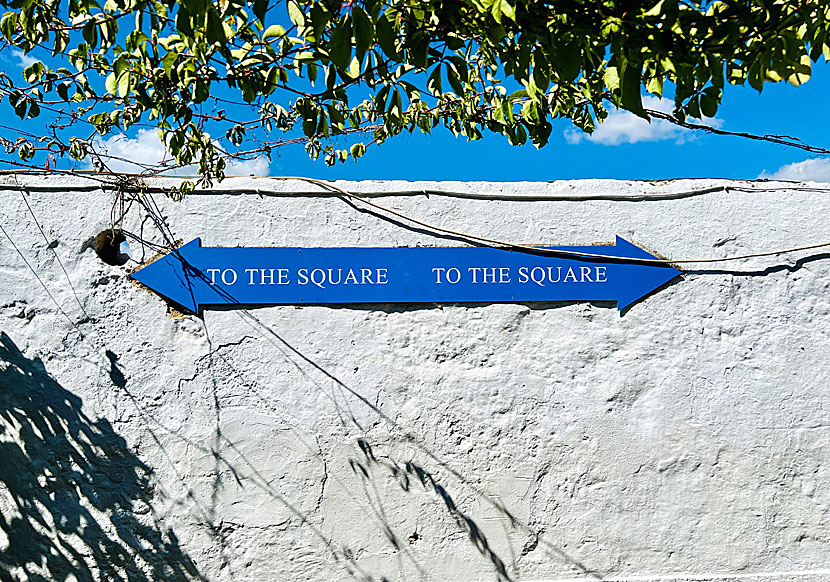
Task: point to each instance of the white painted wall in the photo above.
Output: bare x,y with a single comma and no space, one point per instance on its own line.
686,439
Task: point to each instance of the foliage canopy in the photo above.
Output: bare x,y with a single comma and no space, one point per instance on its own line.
255,75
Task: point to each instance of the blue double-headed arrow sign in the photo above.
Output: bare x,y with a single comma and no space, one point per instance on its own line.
195,277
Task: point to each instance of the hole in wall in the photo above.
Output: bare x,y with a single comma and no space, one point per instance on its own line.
111,247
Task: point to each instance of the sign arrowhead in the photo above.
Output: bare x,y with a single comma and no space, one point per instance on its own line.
169,276
640,278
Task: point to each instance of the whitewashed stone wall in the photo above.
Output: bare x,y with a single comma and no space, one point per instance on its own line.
687,439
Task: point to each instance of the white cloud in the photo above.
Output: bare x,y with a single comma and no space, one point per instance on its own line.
133,155
145,150
816,170
24,60
622,127
258,166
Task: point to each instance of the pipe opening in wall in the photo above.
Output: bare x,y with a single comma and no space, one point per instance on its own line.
112,247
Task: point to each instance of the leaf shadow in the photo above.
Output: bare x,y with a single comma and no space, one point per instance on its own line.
77,502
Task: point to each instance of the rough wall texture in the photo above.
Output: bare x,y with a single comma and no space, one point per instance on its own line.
687,438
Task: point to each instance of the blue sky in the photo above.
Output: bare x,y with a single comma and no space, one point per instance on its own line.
624,147
629,149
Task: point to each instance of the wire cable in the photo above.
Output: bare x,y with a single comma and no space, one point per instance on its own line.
533,249
52,248
42,284
473,238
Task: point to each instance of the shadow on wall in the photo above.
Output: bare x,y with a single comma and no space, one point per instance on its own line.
74,501
404,475
408,473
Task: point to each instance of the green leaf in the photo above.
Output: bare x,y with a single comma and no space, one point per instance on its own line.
802,71
271,80
395,105
364,31
33,72
612,78
260,9
508,10
8,24
502,7
709,99
309,127
183,22
26,151
340,44
295,13
530,112
273,31
755,76
120,65
632,99
330,76
571,60
655,10
454,79
110,84
434,81
167,63
195,7
215,30
124,84
311,71
506,112
20,108
357,150
90,34
201,92
323,124
654,85
134,40
320,17
693,107
353,71
516,134
386,36
418,46
160,8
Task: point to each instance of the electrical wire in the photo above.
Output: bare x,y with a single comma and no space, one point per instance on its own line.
42,284
534,249
52,248
473,238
